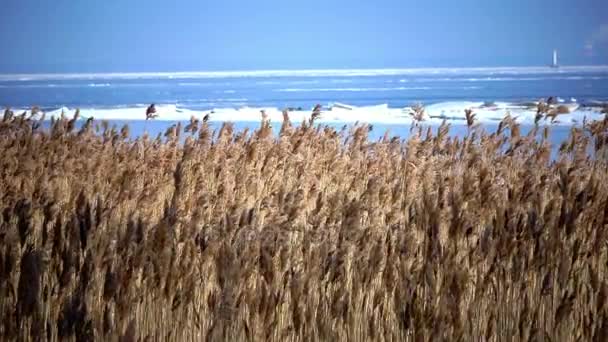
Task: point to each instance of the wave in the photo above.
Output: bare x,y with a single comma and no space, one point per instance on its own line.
503,79
192,84
310,73
237,99
97,85
498,79
303,82
55,85
80,85
342,81
297,90
199,100
35,86
267,82
380,89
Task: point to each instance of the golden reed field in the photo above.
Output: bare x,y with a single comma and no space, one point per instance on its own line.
314,234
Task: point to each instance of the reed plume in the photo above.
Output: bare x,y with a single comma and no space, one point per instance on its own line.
317,234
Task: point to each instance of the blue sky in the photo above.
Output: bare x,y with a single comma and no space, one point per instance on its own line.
155,35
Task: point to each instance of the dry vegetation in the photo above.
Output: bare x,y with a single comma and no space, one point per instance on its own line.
315,234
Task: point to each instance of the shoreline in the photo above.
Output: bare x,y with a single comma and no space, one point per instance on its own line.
454,111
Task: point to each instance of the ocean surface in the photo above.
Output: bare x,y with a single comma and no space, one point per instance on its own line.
382,97
396,88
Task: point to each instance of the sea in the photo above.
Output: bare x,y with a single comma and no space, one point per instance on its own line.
383,97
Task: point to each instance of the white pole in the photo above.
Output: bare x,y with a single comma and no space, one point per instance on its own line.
554,57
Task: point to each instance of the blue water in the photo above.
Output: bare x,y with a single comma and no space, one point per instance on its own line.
153,128
397,89
304,89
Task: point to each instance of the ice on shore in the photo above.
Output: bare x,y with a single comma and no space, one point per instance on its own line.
344,113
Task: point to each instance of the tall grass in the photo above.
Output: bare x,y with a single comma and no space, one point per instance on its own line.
314,234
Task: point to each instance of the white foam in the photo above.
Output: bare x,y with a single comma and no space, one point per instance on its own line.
341,81
33,86
504,79
298,90
267,82
192,84
299,82
309,73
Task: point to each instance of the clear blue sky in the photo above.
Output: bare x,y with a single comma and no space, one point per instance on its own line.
156,35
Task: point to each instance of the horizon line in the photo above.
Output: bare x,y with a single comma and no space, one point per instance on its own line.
311,72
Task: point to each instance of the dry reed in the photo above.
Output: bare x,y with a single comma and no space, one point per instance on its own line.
315,234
